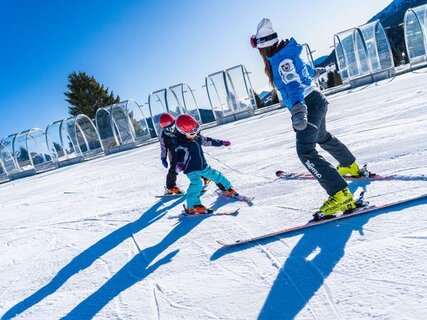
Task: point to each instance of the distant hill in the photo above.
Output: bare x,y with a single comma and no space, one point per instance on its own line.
318,61
390,18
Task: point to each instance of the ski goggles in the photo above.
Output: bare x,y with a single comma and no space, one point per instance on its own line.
255,41
170,130
193,132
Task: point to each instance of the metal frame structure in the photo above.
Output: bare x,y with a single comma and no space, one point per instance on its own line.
230,105
184,99
87,137
115,128
415,29
137,119
364,54
7,164
64,139
157,107
31,152
74,139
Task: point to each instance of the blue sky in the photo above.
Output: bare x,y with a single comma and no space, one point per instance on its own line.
136,47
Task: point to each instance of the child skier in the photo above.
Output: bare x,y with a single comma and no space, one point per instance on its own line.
167,150
191,160
288,73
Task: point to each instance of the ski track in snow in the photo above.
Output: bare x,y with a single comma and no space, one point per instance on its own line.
81,227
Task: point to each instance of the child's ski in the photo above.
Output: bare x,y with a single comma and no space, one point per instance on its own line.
243,198
238,196
171,195
208,213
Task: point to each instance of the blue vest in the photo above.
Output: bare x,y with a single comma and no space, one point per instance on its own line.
291,75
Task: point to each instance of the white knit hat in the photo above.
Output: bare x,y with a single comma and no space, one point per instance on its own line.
265,34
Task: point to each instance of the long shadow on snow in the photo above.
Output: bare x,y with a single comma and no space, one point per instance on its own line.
133,271
136,269
302,275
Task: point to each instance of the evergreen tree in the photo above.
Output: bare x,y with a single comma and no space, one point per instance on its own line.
337,78
85,95
274,98
331,80
334,79
258,101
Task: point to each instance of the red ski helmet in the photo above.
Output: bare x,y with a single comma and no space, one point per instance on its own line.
187,125
166,120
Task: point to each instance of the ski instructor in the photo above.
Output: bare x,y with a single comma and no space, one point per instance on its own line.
293,78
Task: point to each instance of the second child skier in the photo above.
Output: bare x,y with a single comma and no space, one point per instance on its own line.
167,151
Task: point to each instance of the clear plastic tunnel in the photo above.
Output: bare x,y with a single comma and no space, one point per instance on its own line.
31,152
240,84
157,104
230,94
64,140
88,140
181,95
364,53
7,162
114,127
137,119
220,98
415,26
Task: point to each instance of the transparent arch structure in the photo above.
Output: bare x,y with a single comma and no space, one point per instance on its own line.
3,173
31,151
158,104
307,57
7,156
415,28
87,137
176,100
180,99
137,120
7,164
364,54
114,128
74,139
230,94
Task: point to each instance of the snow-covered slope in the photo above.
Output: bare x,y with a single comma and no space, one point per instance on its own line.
91,240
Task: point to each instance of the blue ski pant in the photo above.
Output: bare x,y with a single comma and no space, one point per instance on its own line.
316,133
196,184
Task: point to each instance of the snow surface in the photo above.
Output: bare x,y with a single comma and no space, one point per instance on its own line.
92,241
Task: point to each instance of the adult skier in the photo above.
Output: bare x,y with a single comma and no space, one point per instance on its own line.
293,78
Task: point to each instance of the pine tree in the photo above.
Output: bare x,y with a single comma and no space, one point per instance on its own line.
86,95
334,79
258,101
274,97
337,78
331,81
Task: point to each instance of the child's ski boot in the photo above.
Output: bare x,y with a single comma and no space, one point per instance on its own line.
173,191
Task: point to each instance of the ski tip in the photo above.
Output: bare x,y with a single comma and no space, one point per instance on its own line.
226,244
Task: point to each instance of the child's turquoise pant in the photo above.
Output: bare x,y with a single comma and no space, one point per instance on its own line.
196,184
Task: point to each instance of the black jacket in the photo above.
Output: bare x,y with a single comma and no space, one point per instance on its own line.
190,152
